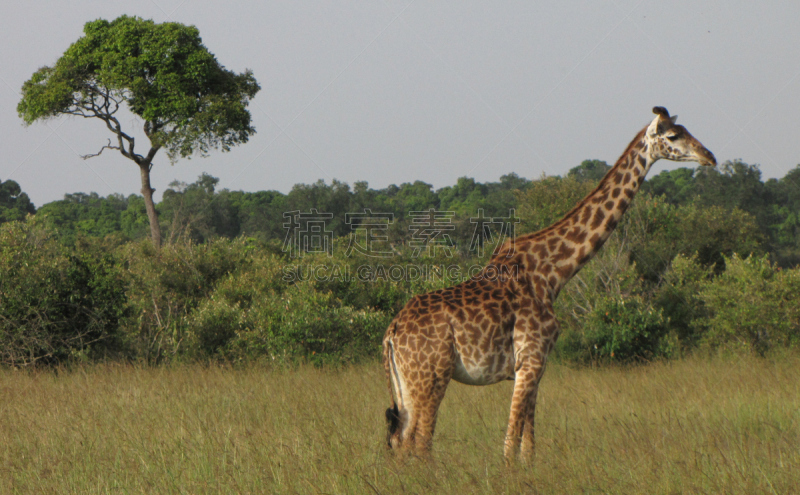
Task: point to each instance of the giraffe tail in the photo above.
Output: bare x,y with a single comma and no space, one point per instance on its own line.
392,413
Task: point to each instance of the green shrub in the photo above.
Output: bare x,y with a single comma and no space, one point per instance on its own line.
657,231
164,286
678,297
624,330
383,283
256,313
753,305
55,304
620,330
606,315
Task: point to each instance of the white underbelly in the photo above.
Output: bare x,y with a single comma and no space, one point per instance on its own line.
481,374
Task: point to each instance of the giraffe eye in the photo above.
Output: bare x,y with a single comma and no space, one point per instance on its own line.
673,137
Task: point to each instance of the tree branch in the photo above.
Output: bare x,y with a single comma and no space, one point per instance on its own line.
108,146
101,103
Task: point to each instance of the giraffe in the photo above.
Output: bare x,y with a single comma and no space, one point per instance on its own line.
500,324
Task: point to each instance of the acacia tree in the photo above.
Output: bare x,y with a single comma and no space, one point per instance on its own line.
188,101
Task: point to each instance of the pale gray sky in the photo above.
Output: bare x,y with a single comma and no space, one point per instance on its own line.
395,91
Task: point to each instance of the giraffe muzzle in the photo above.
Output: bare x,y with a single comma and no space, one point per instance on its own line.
710,159
707,158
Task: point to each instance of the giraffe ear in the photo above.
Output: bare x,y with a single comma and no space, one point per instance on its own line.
655,126
658,124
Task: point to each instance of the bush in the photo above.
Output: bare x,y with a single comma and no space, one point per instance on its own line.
256,313
657,231
753,305
678,297
605,315
548,199
386,284
164,286
55,304
622,330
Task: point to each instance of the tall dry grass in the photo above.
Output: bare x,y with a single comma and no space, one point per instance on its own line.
693,426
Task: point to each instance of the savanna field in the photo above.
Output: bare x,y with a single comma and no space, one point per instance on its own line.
676,371
223,341
696,425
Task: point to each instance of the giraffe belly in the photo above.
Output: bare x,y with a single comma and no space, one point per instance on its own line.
486,372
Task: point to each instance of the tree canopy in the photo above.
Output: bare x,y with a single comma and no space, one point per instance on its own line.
593,170
14,204
164,74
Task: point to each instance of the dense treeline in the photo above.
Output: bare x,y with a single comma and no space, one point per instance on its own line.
703,260
199,212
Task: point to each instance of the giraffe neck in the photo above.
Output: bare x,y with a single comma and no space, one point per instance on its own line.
558,252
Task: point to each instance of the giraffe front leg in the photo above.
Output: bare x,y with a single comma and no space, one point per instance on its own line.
528,447
538,348
528,436
523,406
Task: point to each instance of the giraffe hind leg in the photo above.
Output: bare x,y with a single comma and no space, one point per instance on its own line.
412,419
422,400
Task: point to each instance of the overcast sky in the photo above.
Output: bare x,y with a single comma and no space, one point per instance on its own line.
395,91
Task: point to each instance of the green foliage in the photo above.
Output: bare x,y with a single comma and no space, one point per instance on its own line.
654,232
260,214
678,298
14,204
469,200
714,232
674,277
548,199
676,185
737,186
165,286
314,307
134,223
365,281
620,330
606,315
333,198
784,196
753,304
84,215
193,211
589,170
730,185
55,304
256,313
189,101
658,231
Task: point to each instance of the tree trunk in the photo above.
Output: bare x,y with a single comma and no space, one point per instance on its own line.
147,192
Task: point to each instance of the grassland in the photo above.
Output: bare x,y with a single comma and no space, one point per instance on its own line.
693,426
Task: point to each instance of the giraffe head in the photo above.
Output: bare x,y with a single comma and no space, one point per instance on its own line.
673,142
